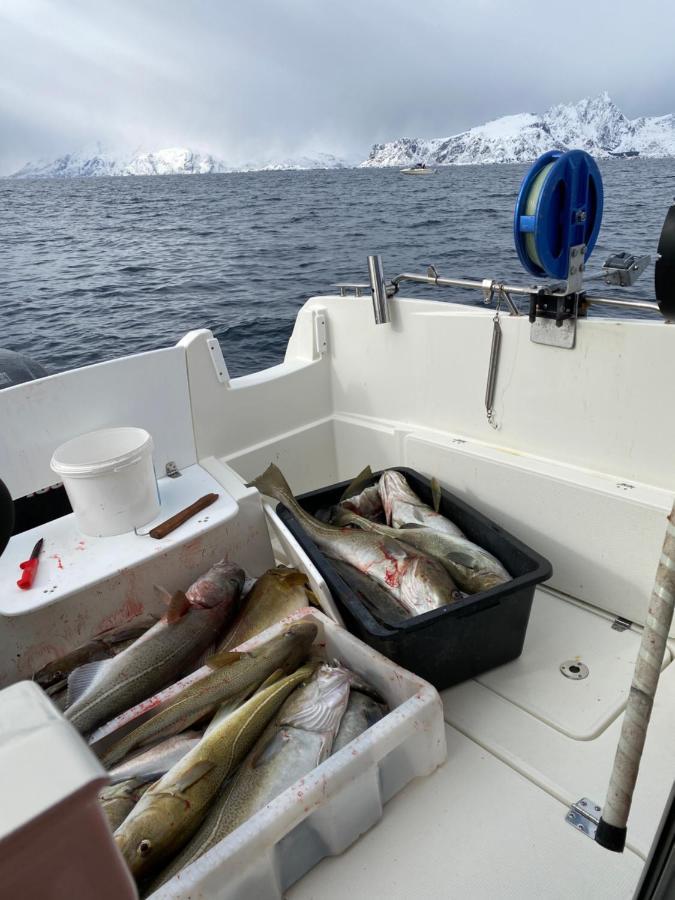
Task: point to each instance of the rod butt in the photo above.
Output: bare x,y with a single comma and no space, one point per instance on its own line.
610,836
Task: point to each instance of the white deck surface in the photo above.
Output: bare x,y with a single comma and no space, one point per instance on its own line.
491,822
475,830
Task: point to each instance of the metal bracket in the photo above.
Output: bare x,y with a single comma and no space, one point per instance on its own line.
554,321
584,815
624,268
621,624
360,289
222,374
575,276
172,470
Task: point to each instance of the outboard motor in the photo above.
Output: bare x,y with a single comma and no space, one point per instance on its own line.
6,516
15,369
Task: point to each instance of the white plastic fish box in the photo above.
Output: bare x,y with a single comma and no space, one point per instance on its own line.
327,810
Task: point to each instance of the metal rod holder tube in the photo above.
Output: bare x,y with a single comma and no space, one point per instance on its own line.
379,290
645,305
628,304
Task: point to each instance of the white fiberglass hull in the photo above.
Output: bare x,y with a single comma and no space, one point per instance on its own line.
414,171
580,467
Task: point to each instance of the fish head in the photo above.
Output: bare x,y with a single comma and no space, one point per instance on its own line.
426,585
291,648
221,584
393,488
142,838
320,704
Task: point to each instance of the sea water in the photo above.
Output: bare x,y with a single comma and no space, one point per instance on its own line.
94,268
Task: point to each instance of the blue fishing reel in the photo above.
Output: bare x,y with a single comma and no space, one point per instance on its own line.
558,214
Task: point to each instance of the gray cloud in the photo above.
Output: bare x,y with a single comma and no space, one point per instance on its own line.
262,79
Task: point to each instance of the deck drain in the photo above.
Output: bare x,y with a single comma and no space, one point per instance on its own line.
574,669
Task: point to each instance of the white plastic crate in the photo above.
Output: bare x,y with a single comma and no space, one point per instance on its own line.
327,810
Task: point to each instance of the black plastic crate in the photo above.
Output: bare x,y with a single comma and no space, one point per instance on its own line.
455,642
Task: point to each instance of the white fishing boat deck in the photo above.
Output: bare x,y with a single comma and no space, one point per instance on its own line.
580,468
491,821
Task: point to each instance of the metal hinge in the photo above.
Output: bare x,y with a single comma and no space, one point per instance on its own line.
621,624
172,469
320,332
218,362
584,815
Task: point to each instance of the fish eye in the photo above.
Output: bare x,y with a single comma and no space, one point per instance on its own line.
144,848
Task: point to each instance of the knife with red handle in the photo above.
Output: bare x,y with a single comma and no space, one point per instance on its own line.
29,567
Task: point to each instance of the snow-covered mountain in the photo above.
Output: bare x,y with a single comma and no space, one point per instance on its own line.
170,161
318,161
596,125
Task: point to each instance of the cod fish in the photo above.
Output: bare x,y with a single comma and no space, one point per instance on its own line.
297,741
275,595
156,761
381,603
362,497
362,712
100,690
235,675
418,582
167,815
119,799
104,645
403,507
470,566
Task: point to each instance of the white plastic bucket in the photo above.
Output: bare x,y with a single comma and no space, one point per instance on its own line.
110,480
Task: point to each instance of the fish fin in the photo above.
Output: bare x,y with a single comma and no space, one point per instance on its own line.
205,656
81,679
224,658
178,606
162,594
435,494
266,750
272,679
228,707
194,774
272,483
56,687
342,516
131,630
357,484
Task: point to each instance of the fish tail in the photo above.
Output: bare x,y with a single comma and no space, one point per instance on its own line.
273,483
361,481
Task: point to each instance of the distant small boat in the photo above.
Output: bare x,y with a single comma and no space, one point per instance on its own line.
418,169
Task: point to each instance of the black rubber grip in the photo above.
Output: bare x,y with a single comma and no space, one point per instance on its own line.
610,837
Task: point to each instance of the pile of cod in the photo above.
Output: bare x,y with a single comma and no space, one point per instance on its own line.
401,556
192,759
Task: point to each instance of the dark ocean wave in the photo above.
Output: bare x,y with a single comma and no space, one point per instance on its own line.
101,267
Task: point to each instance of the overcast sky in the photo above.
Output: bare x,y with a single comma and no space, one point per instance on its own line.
262,79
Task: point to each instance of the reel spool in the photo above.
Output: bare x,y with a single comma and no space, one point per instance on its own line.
559,207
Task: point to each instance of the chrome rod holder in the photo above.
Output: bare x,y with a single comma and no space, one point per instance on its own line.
379,290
